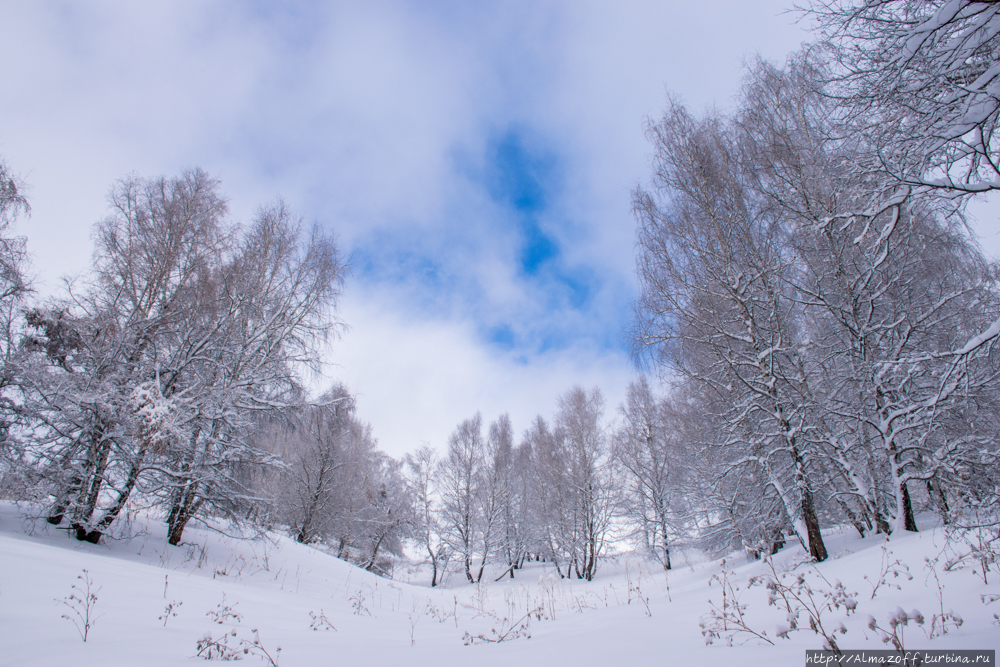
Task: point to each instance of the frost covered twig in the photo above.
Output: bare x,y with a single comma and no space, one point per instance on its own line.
232,647
728,620
507,632
797,596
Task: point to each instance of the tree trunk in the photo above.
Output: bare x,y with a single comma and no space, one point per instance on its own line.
186,505
909,522
937,494
816,547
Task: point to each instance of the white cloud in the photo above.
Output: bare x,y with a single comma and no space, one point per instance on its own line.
417,378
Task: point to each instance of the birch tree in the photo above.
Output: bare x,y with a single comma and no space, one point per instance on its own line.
715,306
461,489
644,446
422,467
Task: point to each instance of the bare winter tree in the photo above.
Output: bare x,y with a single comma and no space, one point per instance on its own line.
315,442
272,308
389,514
588,499
422,468
152,375
13,257
645,447
15,471
550,493
716,308
497,510
461,489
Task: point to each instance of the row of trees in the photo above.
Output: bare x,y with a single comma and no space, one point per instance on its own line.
825,325
333,485
169,378
809,286
562,495
150,376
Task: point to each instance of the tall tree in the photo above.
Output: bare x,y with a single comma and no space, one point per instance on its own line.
461,491
643,446
715,305
422,467
155,370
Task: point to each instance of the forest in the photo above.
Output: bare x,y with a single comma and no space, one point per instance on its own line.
815,335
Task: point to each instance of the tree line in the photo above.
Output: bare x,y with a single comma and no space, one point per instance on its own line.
822,325
810,287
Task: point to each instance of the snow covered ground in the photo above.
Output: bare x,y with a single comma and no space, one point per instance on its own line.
321,610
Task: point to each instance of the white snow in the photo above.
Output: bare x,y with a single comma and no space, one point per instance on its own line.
632,613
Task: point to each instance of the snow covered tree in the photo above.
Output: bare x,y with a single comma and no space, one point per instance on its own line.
474,481
646,449
13,257
389,515
573,484
15,471
836,323
461,489
154,373
271,308
716,308
497,511
887,286
422,467
313,441
590,476
101,383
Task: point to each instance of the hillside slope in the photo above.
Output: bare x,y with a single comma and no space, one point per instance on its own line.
631,613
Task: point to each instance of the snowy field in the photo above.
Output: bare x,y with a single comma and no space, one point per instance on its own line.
156,602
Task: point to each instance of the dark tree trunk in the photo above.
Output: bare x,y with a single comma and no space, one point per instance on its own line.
816,547
909,523
186,505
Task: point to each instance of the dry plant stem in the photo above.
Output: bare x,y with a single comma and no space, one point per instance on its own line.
358,603
81,603
320,621
727,621
896,567
898,620
799,597
414,618
170,611
507,632
224,612
232,647
940,620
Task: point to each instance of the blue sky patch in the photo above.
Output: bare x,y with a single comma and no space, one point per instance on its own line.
524,176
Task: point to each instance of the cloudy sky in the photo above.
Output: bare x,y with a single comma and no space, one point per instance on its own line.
474,160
